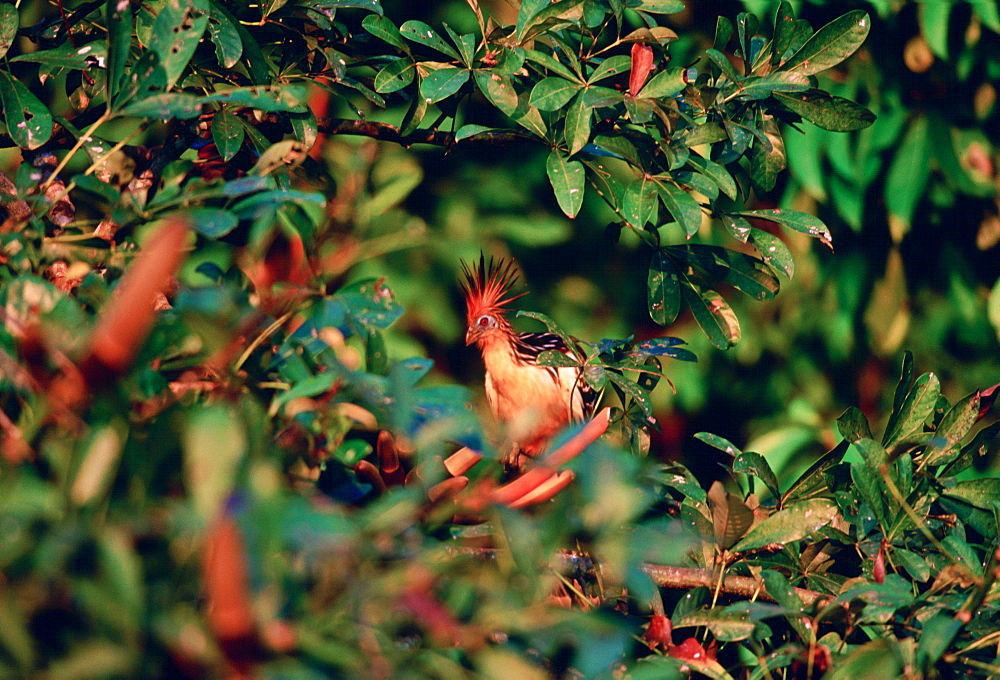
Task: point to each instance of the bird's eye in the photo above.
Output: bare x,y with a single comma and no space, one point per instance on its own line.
485,320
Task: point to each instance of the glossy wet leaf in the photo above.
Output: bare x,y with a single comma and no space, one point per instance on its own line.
568,180
663,293
29,122
792,523
761,87
831,44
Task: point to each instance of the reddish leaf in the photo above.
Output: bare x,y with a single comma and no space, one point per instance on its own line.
986,399
878,571
227,593
689,650
642,64
659,632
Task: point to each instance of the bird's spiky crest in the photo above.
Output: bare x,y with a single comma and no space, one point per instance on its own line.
487,286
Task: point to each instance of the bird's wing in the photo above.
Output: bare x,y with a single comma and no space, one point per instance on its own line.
530,345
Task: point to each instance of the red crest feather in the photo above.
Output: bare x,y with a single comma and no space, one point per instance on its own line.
486,286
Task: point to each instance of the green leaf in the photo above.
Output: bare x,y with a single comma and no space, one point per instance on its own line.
29,122
831,44
768,160
639,202
915,409
552,93
744,272
826,110
538,12
95,186
212,222
713,314
550,63
225,35
682,206
656,6
794,219
663,293
499,89
164,106
467,131
666,83
793,523
466,45
568,180
557,359
938,633
853,425
953,428
720,443
214,444
908,174
9,23
752,463
773,250
982,493
577,131
69,56
813,481
120,28
419,32
716,172
551,325
879,658
228,134
754,87
611,66
289,98
176,33
382,28
726,625
914,564
442,83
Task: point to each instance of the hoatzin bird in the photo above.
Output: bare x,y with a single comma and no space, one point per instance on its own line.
531,401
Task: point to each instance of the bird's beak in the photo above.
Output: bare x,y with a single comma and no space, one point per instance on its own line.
470,336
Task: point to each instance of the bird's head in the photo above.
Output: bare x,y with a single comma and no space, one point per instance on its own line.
487,287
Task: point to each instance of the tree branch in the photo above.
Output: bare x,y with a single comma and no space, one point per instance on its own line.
688,577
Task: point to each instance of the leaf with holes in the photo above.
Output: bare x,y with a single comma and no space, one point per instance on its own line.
178,30
793,523
29,122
